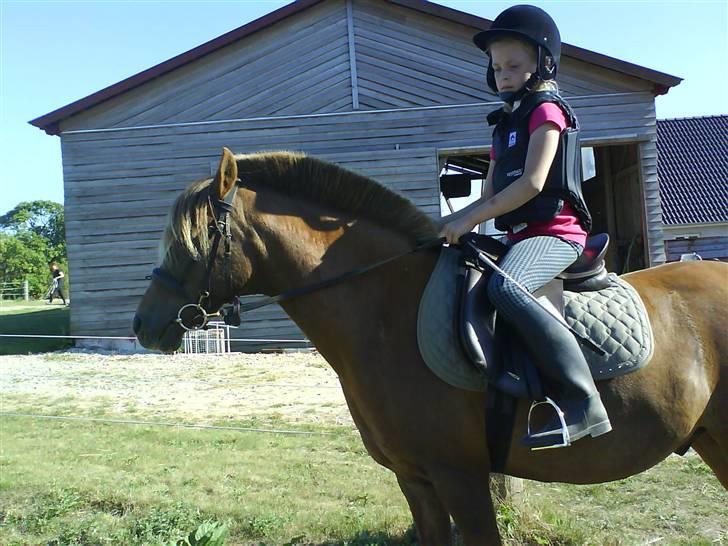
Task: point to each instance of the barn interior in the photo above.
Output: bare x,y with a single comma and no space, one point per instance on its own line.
612,189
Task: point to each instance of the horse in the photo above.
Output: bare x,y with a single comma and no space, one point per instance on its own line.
298,220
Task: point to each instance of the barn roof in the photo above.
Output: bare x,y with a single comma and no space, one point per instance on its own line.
51,122
692,166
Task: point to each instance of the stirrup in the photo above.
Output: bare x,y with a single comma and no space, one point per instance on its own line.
566,439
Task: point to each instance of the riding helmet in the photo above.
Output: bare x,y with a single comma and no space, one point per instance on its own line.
530,24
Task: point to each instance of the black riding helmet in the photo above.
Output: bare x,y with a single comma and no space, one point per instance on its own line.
532,25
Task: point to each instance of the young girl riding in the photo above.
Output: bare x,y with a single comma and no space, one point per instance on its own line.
533,191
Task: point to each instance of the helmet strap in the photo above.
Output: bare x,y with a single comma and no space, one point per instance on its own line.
510,97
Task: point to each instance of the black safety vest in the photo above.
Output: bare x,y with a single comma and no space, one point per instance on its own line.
563,183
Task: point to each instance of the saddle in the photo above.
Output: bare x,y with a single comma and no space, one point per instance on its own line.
489,343
462,341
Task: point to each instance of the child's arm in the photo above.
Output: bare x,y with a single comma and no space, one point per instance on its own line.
541,152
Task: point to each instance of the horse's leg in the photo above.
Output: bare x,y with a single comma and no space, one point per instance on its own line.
713,455
467,498
712,443
431,519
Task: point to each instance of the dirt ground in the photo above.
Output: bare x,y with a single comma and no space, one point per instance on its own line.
297,387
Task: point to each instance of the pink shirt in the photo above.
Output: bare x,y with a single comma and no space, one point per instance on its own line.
566,224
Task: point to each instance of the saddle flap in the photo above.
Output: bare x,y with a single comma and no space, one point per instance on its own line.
476,318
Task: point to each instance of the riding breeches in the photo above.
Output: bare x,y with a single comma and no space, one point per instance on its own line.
532,262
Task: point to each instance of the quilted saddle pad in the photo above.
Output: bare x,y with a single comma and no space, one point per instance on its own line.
614,318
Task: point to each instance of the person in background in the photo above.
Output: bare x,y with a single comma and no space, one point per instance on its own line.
58,277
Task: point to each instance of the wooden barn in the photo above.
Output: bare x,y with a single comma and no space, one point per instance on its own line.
693,170
393,89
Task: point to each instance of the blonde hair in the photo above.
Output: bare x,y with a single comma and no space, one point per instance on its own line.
541,85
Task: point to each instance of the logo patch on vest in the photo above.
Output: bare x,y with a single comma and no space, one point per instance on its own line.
517,172
512,139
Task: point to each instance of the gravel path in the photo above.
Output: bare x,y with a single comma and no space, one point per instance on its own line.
295,387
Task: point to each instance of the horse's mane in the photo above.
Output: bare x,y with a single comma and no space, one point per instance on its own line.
303,177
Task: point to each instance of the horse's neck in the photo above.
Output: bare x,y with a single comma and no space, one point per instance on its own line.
305,245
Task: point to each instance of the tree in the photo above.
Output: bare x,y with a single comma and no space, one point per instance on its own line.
31,235
44,218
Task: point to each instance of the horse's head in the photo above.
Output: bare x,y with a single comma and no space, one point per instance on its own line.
201,270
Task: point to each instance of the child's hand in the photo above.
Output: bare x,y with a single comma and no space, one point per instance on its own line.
453,230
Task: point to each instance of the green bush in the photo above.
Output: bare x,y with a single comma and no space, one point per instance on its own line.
31,236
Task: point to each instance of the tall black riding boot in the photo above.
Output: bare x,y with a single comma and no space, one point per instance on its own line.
559,358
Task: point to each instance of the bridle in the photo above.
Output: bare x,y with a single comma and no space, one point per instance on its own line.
194,316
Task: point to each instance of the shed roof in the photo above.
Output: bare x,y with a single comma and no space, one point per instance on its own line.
692,166
51,122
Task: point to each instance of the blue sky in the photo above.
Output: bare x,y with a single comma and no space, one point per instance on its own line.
55,52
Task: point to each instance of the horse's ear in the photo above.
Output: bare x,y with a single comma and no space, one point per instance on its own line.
227,175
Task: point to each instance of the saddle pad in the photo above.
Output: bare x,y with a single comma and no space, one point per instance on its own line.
614,319
436,323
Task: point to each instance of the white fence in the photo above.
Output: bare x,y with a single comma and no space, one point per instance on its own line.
14,290
215,339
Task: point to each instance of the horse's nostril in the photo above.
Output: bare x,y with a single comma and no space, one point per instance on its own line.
137,324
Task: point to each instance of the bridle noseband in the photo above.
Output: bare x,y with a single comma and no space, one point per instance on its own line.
194,316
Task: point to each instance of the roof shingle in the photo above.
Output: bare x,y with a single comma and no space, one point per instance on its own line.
692,166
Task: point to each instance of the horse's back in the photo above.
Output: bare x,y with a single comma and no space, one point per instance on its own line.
694,294
687,304
690,275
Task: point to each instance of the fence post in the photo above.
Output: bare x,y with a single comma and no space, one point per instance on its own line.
506,489
26,296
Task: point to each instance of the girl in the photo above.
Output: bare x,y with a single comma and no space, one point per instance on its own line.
533,190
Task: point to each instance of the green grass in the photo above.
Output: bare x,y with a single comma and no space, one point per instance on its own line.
90,483
87,483
33,318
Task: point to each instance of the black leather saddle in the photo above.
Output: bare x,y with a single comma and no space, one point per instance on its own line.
490,343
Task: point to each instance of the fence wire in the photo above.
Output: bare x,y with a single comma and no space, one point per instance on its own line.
162,424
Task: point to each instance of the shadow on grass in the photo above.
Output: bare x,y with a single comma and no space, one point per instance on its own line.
45,321
366,538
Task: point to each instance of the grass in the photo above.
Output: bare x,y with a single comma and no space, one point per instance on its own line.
33,318
92,483
88,483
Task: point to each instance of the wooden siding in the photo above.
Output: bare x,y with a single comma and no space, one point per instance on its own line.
709,248
651,192
418,83
406,58
119,183
303,65
300,66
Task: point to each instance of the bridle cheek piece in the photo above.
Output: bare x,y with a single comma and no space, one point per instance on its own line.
194,316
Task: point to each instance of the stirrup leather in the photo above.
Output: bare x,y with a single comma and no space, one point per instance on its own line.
566,439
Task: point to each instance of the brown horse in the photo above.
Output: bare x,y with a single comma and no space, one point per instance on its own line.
297,220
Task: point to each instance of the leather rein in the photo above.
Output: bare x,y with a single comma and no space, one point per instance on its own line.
195,316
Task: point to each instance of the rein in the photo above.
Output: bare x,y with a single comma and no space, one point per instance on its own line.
290,294
194,316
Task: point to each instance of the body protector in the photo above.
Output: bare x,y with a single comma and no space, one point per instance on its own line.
563,183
